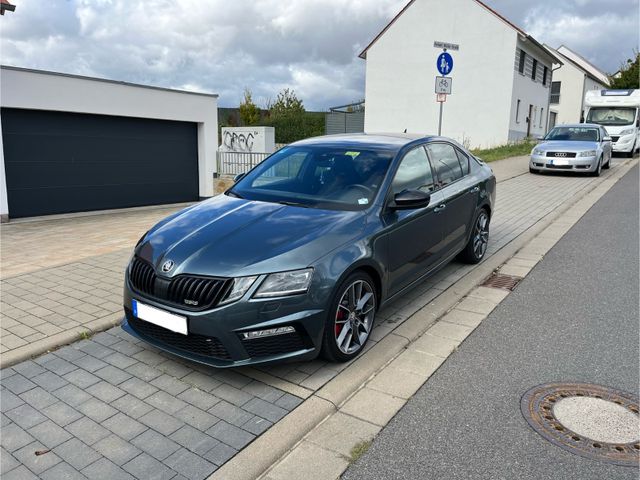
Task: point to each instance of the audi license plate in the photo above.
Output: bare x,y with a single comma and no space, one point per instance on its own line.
163,319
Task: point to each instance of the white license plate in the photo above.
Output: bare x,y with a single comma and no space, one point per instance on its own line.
163,319
559,161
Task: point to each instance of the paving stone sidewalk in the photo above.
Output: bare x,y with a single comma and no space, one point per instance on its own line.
113,408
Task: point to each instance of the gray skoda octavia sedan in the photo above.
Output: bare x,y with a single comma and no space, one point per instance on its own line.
296,258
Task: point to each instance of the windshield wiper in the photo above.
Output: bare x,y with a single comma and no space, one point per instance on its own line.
293,204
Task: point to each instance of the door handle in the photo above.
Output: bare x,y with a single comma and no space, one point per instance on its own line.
439,208
475,189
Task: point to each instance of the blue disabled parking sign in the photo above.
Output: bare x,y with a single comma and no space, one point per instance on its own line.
445,63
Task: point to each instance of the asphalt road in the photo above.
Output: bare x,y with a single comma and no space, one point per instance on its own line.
573,319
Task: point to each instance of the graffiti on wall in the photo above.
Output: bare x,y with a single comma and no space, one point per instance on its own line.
238,142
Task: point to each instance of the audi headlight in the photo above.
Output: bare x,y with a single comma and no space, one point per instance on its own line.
628,131
285,283
588,153
537,151
238,289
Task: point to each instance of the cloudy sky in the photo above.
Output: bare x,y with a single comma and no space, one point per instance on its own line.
223,46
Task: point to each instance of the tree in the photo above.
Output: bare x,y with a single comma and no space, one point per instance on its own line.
629,74
287,104
249,111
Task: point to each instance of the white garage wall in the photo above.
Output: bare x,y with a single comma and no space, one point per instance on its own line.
33,89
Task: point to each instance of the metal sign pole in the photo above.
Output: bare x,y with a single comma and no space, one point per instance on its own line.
444,64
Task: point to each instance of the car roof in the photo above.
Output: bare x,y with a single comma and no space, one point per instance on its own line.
393,141
579,125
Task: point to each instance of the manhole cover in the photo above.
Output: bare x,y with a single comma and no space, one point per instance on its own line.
589,420
499,280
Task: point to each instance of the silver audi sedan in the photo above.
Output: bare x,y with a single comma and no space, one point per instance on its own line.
582,147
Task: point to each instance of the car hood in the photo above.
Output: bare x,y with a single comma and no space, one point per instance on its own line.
566,146
232,237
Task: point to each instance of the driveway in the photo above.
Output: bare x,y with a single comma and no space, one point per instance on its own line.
113,407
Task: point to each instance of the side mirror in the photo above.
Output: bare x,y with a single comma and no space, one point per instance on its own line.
238,177
410,200
539,139
606,139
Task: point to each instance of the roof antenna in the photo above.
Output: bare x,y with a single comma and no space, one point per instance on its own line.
405,131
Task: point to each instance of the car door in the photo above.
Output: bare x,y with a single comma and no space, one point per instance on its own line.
459,194
414,236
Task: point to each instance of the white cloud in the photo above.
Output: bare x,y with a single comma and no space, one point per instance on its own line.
223,46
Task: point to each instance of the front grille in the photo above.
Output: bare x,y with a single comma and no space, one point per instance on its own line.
142,276
193,343
205,291
562,154
615,138
186,291
560,167
275,345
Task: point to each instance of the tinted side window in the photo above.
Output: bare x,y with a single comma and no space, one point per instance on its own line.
414,172
464,162
446,163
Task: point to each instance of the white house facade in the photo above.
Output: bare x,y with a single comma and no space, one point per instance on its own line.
495,99
571,81
72,143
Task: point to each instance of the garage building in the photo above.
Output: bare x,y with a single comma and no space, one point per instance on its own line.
72,143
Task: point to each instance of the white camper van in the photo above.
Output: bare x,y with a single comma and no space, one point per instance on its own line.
619,112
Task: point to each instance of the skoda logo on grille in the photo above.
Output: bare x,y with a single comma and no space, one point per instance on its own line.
167,266
561,154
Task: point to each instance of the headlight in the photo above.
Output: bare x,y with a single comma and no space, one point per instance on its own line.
239,288
285,283
588,153
537,151
628,131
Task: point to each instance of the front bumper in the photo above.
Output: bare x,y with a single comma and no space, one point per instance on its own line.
624,144
215,336
554,164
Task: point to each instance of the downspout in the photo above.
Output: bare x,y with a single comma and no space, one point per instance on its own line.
546,123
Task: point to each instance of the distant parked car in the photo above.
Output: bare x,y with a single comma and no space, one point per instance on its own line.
296,258
581,147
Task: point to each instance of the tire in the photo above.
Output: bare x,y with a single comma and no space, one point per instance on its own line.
533,170
477,246
598,170
607,166
339,344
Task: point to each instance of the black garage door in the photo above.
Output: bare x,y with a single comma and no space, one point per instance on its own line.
67,162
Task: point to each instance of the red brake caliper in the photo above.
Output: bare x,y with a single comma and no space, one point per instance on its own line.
339,316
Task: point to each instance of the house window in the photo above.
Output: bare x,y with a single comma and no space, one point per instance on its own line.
523,57
544,76
541,116
534,69
555,93
518,111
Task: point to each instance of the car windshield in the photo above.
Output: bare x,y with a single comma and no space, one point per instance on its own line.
575,134
334,178
611,115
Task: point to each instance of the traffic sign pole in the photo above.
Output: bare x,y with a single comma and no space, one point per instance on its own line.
444,64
